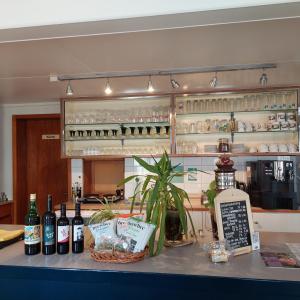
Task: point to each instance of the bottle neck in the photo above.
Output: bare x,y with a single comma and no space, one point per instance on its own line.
63,211
32,207
77,209
49,204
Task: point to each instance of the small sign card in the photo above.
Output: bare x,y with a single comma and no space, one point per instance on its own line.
234,220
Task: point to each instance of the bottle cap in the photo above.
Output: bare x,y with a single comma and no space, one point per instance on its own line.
32,197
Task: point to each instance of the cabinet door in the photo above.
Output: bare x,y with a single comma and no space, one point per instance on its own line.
6,213
276,222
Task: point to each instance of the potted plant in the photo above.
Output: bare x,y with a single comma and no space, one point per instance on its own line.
163,201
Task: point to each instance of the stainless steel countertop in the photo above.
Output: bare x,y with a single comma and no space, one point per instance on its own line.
188,260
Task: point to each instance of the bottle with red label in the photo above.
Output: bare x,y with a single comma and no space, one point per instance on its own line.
63,231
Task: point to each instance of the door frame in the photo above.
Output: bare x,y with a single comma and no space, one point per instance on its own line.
15,119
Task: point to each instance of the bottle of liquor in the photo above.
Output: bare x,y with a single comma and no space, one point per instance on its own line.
77,231
49,230
63,231
32,233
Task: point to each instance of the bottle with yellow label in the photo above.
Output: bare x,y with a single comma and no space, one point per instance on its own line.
32,230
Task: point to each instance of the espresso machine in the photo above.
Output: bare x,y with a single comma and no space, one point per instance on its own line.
270,184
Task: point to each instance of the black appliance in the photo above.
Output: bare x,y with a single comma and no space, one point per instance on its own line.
271,184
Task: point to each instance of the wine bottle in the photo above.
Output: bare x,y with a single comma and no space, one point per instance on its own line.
49,230
63,231
32,233
77,231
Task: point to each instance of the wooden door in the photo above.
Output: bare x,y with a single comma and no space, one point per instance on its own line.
38,166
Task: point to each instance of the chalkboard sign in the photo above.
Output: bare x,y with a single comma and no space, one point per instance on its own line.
234,220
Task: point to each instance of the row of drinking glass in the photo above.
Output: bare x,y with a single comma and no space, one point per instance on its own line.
254,102
138,150
151,131
133,115
206,126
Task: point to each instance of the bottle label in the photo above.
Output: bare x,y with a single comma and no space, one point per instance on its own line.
78,233
48,235
32,234
63,234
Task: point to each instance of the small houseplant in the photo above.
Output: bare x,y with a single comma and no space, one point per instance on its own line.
160,197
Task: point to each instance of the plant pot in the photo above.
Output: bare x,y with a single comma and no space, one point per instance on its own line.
214,225
173,229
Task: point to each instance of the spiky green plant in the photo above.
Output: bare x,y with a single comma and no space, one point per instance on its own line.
158,194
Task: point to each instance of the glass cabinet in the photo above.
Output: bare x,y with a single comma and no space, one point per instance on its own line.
117,127
256,122
253,123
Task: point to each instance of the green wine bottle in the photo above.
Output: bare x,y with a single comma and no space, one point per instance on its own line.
32,230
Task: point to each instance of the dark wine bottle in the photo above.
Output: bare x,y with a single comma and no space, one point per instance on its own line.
49,230
32,230
63,231
77,231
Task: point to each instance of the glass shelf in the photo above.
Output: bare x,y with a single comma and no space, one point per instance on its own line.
239,111
122,124
118,139
200,133
266,131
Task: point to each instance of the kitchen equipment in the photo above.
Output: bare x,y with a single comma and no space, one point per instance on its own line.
270,184
102,198
225,173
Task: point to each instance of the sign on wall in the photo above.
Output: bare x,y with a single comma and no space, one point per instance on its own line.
50,137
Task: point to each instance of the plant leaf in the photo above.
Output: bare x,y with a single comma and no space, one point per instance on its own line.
127,179
162,232
152,199
145,165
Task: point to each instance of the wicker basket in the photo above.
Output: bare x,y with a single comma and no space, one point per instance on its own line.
116,257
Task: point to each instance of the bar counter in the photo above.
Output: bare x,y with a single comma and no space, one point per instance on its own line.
195,206
176,273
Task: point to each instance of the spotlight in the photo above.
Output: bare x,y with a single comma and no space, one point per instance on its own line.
263,80
214,81
69,90
108,89
174,83
150,86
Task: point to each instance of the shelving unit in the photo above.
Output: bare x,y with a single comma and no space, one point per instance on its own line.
247,127
115,127
149,125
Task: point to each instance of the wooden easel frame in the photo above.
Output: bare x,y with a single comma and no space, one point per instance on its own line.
232,195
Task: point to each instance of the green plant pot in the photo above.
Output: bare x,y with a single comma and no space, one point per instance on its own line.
173,226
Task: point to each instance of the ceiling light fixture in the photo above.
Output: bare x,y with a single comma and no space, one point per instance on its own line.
263,80
166,72
150,87
214,81
108,89
69,90
174,83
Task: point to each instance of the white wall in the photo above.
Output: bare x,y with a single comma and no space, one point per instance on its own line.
15,13
6,113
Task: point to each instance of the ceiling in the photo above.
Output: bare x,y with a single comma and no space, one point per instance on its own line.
25,66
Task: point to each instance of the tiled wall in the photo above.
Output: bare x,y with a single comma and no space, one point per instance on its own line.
194,182
77,171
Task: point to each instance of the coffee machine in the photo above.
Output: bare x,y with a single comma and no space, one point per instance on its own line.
270,184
